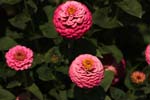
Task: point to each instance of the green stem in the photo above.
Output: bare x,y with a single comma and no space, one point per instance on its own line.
70,48
25,82
27,10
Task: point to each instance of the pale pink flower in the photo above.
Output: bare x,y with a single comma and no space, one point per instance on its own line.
19,57
86,71
23,96
72,19
118,68
147,54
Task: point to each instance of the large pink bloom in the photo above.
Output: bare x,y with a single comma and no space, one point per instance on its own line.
118,68
86,71
72,19
19,57
147,54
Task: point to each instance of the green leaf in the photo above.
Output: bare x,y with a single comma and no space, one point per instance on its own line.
70,92
6,72
132,7
6,95
63,95
49,11
48,30
54,93
13,84
20,20
13,34
45,73
62,69
6,43
10,2
131,96
116,53
35,90
107,98
32,5
38,59
117,94
92,94
1,86
107,81
146,38
127,81
52,55
100,17
98,53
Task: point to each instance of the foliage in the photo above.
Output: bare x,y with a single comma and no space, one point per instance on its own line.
120,28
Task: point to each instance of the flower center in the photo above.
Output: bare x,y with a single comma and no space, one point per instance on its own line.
138,77
71,10
20,56
88,64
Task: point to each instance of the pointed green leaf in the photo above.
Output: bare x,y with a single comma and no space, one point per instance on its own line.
13,84
132,7
100,17
32,5
54,93
107,98
48,30
6,43
62,69
6,95
49,11
63,95
107,81
114,50
10,2
38,59
13,34
35,90
20,20
45,73
117,94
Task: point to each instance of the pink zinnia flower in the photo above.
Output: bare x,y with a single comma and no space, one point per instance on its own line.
118,68
147,54
86,71
72,19
19,57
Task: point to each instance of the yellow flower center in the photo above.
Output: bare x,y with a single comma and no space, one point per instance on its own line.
20,56
71,10
88,64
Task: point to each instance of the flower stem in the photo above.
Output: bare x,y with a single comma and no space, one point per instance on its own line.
70,48
25,82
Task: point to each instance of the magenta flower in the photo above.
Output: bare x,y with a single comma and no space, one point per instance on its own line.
147,54
19,57
72,19
86,71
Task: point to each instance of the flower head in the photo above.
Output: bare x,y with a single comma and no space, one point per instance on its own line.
19,57
138,77
86,71
118,68
72,19
23,96
147,54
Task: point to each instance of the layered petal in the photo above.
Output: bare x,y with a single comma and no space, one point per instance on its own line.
72,19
